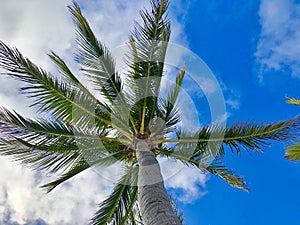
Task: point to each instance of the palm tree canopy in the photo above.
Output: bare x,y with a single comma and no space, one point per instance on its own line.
80,131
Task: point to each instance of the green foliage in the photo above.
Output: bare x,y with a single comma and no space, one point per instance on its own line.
117,209
293,101
293,151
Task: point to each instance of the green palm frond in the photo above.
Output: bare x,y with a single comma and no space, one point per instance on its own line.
98,64
66,72
52,145
43,131
64,69
116,208
241,135
80,166
255,136
118,111
215,166
43,159
293,101
51,95
167,110
218,169
293,152
95,58
56,156
148,49
64,101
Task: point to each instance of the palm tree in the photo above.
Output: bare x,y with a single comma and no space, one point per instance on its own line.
293,151
131,124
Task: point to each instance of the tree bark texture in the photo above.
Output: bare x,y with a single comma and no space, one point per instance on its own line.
153,199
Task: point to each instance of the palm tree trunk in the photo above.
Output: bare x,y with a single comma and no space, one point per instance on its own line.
153,199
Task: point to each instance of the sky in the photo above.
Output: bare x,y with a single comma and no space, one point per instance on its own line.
252,49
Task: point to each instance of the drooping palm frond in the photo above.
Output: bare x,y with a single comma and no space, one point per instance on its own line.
148,49
218,169
204,148
116,208
215,166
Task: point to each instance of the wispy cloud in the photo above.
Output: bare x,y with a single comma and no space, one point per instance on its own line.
278,47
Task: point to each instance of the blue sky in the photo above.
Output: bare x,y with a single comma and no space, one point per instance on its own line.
253,49
227,37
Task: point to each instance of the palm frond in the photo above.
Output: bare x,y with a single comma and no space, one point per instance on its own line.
226,174
215,166
51,95
118,111
167,110
64,101
64,69
241,135
41,159
98,64
148,45
113,210
95,58
13,125
52,145
80,166
256,136
293,101
293,152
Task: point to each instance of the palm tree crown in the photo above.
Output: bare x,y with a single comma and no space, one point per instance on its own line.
81,131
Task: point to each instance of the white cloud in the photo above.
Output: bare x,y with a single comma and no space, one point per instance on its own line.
72,203
278,47
35,27
233,97
189,181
